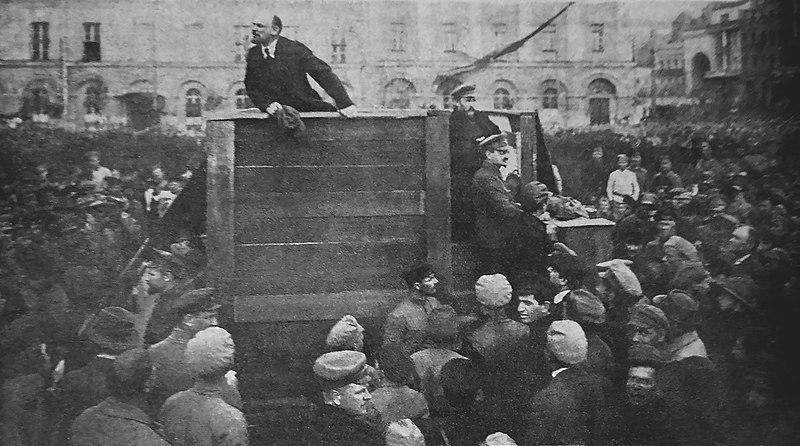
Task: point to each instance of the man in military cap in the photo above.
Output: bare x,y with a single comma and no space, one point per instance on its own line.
278,69
497,215
648,324
197,310
466,125
346,412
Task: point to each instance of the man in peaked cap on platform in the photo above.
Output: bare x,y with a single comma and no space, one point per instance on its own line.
197,310
278,69
573,408
344,416
466,125
497,215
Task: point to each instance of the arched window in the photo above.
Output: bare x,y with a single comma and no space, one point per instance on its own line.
95,99
502,99
550,98
242,100
602,87
193,103
398,94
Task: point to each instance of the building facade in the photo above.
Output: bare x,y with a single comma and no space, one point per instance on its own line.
145,62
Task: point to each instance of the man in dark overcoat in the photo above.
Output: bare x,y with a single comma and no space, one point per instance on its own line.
466,125
277,70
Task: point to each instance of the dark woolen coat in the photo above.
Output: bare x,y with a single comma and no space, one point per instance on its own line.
496,214
334,426
283,79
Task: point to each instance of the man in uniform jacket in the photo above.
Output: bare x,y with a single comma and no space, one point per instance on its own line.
277,70
497,215
466,125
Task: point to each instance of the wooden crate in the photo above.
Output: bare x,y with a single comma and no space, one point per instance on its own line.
301,231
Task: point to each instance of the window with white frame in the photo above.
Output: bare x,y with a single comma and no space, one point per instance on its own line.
500,33
194,102
242,99
91,42
550,98
450,37
502,99
598,37
399,34
549,38
338,47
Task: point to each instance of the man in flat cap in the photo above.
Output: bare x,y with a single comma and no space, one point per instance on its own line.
197,310
497,215
587,310
466,125
277,70
648,324
199,415
122,417
682,311
574,408
344,416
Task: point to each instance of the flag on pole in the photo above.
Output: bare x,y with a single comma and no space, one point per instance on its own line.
544,166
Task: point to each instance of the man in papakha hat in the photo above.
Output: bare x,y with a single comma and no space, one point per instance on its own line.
407,322
497,215
344,417
197,310
278,69
500,345
574,408
199,415
122,417
110,332
348,334
466,125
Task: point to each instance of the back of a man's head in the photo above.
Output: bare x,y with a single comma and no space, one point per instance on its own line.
417,273
131,372
461,381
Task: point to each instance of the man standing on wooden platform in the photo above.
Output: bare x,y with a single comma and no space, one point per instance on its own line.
277,70
466,125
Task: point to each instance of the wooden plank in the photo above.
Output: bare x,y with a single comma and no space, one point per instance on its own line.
318,281
283,151
298,259
328,229
256,114
329,178
528,148
251,205
377,128
437,195
310,307
219,148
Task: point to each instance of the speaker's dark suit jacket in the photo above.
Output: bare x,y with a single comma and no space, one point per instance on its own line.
282,78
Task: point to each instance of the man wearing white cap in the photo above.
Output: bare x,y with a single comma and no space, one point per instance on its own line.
199,416
497,214
573,408
466,125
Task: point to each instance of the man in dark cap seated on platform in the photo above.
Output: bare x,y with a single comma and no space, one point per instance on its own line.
277,70
111,331
197,310
346,416
497,215
466,125
122,417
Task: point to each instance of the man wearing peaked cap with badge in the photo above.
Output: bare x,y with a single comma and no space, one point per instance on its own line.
497,215
197,310
574,407
345,417
466,125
